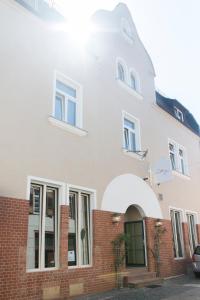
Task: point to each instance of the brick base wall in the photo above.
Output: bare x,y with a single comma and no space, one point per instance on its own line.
168,265
17,283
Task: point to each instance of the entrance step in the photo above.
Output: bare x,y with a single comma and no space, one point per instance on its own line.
140,277
145,282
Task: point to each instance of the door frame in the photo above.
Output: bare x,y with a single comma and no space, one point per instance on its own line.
144,243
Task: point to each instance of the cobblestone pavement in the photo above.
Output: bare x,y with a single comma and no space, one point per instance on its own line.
180,288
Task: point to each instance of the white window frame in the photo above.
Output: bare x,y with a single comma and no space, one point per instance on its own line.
178,159
92,193
78,127
178,114
61,187
195,216
174,232
126,84
136,121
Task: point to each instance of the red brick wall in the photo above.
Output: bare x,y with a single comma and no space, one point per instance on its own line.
16,283
168,266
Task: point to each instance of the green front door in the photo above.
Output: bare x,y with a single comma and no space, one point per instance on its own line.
135,254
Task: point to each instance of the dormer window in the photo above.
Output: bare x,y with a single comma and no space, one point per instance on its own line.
178,114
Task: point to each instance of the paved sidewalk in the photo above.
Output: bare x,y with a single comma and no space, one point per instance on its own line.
180,288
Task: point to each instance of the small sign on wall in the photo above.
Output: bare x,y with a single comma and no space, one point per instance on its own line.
71,256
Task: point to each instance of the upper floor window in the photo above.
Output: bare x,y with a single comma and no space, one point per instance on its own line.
121,71
67,103
131,134
42,244
133,84
178,114
177,233
79,236
178,158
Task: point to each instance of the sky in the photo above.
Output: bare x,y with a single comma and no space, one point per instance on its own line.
170,32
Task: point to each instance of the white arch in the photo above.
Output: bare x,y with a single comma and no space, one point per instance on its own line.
128,189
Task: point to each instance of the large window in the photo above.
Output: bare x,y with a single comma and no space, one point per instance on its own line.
79,236
131,133
68,101
178,158
177,233
42,245
178,114
192,231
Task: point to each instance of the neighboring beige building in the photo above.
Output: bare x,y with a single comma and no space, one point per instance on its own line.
83,129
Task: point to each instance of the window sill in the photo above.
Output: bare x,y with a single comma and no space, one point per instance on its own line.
131,154
79,267
41,270
129,89
67,127
177,173
179,258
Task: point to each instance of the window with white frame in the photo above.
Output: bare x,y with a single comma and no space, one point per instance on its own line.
192,231
79,235
177,233
121,72
42,244
178,114
67,107
131,139
178,158
133,81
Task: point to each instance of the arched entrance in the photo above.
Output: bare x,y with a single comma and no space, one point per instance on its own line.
135,229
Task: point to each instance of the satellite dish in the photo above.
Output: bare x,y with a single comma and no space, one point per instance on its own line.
162,171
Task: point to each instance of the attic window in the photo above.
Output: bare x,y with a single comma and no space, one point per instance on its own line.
178,114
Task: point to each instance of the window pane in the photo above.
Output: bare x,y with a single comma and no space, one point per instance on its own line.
121,73
65,89
129,124
132,145
34,231
133,82
182,167
126,138
71,113
173,163
174,232
50,227
59,107
179,234
85,229
72,231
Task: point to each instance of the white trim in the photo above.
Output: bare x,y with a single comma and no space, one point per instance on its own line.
133,72
181,175
178,147
79,95
136,121
92,193
181,210
54,183
128,189
67,127
121,61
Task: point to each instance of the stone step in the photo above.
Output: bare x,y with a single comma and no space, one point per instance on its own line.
144,282
145,275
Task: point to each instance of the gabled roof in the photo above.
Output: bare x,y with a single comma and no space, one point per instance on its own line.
169,105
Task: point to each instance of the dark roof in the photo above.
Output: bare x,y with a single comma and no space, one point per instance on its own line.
170,105
44,11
